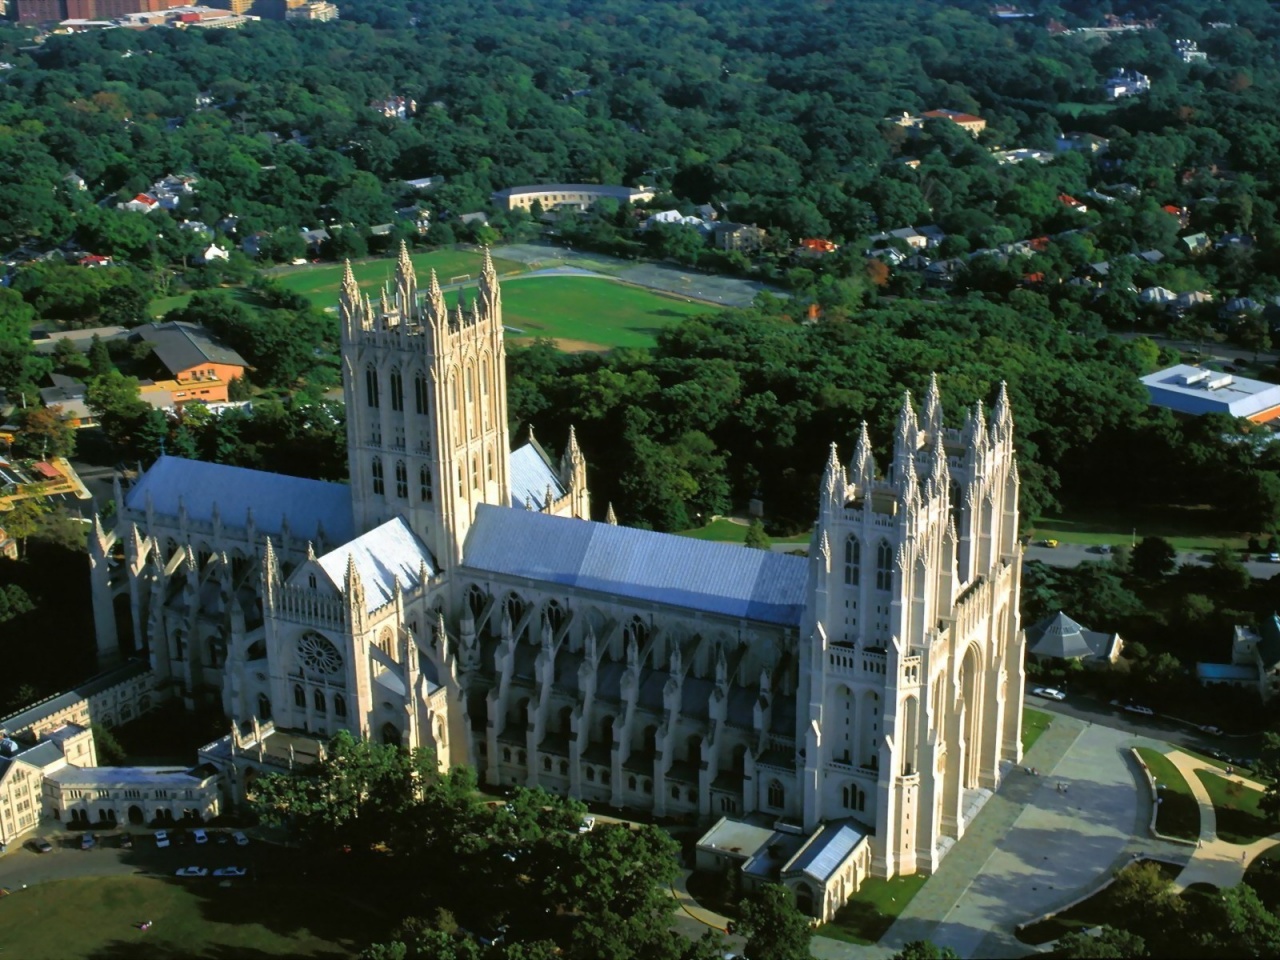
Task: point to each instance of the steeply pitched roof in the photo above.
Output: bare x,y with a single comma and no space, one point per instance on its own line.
823,855
640,564
530,475
103,681
381,556
181,345
271,496
1062,638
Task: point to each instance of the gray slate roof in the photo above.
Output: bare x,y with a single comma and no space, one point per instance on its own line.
272,496
530,475
1062,638
103,681
824,854
181,345
381,556
640,564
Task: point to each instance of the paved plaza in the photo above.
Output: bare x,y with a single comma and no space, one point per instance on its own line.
1033,848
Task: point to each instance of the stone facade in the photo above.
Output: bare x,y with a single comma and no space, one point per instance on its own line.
465,602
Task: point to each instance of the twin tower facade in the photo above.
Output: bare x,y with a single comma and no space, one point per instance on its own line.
456,594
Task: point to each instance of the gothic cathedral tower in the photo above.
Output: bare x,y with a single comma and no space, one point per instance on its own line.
426,394
911,678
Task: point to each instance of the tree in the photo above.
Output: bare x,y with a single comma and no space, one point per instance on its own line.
24,519
115,401
756,537
1153,558
43,433
99,359
774,928
1108,944
106,745
925,950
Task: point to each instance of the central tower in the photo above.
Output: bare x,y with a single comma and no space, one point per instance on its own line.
426,394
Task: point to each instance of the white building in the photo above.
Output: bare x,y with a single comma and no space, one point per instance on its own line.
456,595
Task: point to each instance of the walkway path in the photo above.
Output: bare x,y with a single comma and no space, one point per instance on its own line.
1215,861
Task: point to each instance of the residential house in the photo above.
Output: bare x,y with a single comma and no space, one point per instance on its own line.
1069,201
74,181
745,238
1159,296
815,247
419,215
1060,638
909,235
889,255
425,183
201,365
211,253
1022,154
1196,243
313,238
478,217
973,124
202,230
252,244
1082,142
93,260
932,233
1189,52
141,203
1125,83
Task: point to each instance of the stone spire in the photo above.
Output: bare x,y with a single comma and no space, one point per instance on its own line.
406,283
833,481
610,517
862,468
939,473
435,298
1002,416
350,302
907,432
933,407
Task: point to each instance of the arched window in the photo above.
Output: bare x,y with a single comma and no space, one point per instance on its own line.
675,793
515,608
371,385
402,480
555,614
591,774
484,391
564,768
862,800
424,484
377,475
631,783
420,393
339,705
397,391
884,566
777,795
852,560
475,471
299,697
470,401
264,707
454,406
488,461
317,701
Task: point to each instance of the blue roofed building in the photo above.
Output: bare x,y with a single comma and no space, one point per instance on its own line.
464,596
1255,660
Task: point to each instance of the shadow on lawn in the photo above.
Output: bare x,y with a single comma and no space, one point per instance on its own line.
159,949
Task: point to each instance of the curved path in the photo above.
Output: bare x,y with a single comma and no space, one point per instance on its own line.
1215,861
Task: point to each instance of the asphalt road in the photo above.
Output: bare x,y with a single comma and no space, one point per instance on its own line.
1157,727
1074,554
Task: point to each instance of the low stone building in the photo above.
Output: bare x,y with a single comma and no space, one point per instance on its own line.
25,763
1060,638
1255,661
85,796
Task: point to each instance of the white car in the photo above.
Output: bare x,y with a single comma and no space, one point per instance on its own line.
1049,693
587,825
230,872
192,872
240,839
162,838
199,836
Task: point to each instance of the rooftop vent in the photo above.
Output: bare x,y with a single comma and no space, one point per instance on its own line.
1217,383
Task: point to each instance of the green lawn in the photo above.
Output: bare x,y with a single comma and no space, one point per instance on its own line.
1236,806
1034,723
872,910
1179,814
1097,910
320,282
591,313
1185,528
727,531
162,305
97,917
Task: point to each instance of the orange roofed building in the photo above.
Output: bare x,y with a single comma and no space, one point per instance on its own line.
975,125
201,366
816,247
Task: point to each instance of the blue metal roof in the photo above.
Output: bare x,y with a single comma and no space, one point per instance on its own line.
823,856
1226,671
272,496
530,476
640,564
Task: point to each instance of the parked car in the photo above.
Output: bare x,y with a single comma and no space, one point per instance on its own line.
240,839
41,845
1273,557
191,872
162,838
1212,730
230,872
587,825
1136,708
1049,543
87,841
199,836
126,841
1049,693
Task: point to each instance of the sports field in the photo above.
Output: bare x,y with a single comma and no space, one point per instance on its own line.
99,917
320,282
590,313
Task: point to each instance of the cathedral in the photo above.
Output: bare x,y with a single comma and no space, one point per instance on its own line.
856,705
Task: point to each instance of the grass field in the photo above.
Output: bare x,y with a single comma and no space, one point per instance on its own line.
320,282
725,530
1236,806
162,305
1179,814
1186,529
97,917
1034,723
872,910
589,313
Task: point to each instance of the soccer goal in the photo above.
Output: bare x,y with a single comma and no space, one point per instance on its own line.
460,278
